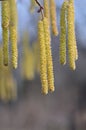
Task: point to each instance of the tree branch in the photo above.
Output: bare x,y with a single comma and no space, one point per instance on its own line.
41,7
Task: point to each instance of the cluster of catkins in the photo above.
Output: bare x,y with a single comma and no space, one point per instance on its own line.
46,64
47,24
9,31
67,34
8,85
67,31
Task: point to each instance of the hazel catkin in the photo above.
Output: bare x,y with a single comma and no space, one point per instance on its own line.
62,48
13,32
50,74
71,36
53,17
43,62
75,44
5,30
47,10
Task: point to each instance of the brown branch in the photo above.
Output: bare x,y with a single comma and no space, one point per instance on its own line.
41,7
40,10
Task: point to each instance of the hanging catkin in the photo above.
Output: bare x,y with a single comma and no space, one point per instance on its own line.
47,10
5,32
53,17
62,48
75,44
48,56
13,32
71,36
43,62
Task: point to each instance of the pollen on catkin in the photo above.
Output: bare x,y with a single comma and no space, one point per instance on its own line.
13,33
50,74
43,62
5,30
62,48
71,36
53,17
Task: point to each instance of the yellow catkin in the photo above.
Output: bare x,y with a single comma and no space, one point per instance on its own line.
8,90
50,74
5,30
43,62
46,10
71,36
62,48
76,50
75,44
53,17
13,32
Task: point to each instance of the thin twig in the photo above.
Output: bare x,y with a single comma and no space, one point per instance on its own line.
41,7
40,10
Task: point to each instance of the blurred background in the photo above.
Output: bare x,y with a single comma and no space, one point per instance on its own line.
26,108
